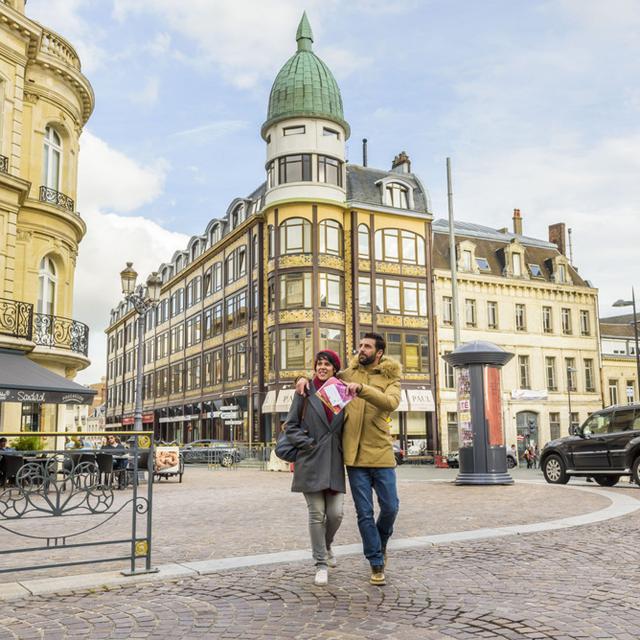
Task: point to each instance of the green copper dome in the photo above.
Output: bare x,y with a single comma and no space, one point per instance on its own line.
305,86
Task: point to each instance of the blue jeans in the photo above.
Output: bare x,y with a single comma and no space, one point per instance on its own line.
374,533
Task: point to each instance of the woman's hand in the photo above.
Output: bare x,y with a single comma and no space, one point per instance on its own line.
302,386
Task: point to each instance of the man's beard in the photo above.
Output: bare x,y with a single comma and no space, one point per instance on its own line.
366,360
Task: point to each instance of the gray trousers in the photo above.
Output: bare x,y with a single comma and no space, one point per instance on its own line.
325,516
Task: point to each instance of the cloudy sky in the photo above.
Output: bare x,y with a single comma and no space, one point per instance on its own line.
537,102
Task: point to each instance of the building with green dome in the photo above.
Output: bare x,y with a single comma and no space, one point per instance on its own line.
321,252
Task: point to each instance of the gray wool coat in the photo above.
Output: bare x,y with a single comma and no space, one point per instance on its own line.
319,465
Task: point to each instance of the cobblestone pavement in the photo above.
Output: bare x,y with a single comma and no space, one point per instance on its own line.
579,583
219,514
571,584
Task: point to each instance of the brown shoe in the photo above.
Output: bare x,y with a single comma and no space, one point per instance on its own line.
377,576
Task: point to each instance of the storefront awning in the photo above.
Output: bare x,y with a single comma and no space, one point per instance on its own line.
285,398
22,380
269,404
421,400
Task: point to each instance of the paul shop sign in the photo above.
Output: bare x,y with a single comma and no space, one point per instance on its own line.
51,397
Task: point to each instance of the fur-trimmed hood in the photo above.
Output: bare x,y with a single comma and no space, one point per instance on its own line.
388,367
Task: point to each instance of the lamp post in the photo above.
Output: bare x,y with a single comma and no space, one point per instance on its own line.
570,372
632,303
143,300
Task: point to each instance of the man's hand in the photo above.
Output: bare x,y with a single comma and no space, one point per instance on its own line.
354,388
302,386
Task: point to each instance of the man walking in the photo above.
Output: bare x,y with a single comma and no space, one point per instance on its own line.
367,445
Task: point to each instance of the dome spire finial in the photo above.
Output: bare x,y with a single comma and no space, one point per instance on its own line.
304,35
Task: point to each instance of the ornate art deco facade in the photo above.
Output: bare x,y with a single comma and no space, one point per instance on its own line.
44,103
320,253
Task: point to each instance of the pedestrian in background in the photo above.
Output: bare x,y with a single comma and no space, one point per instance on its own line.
318,471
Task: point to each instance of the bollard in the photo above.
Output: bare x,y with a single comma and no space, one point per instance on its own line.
483,453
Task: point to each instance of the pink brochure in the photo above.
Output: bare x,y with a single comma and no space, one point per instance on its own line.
333,393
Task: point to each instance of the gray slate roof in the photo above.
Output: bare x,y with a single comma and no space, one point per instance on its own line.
362,187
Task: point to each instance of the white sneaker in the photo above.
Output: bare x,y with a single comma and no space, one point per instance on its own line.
322,577
331,559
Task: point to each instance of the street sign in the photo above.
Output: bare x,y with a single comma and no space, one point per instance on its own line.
231,407
215,414
231,422
231,415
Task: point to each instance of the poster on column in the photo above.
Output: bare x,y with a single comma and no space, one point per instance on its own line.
493,406
465,428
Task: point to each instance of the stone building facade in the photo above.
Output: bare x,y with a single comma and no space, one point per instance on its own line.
45,101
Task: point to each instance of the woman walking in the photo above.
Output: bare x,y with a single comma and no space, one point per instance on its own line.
319,471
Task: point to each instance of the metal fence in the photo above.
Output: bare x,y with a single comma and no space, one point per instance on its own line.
58,500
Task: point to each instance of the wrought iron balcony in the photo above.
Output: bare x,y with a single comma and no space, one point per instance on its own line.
4,164
60,333
56,198
16,318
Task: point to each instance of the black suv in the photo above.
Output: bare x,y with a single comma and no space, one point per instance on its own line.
605,447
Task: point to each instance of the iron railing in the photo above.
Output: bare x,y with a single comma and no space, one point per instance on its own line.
16,318
57,502
60,333
4,164
51,196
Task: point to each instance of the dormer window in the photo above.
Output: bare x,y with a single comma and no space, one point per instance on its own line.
330,132
535,270
562,273
483,264
466,260
293,131
195,251
397,195
466,256
516,265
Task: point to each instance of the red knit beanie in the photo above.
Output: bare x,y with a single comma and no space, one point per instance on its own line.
331,356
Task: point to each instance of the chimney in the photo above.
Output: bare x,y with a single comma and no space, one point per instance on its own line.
517,222
364,152
557,236
401,163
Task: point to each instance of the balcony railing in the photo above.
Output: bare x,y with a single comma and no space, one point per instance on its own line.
60,333
56,198
4,164
16,318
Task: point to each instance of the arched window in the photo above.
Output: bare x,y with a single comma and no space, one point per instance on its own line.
214,235
397,195
295,236
272,241
330,233
48,281
195,250
52,162
364,249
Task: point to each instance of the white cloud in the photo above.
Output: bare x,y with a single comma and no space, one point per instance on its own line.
247,39
147,95
110,181
209,132
64,16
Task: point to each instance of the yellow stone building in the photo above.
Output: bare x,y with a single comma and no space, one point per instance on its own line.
321,252
45,101
522,294
619,364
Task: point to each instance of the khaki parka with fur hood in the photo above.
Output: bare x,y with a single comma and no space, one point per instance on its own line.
366,438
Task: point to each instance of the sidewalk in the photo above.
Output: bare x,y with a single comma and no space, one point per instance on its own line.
466,574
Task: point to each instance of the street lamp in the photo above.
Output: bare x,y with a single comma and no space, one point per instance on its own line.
632,303
570,380
143,300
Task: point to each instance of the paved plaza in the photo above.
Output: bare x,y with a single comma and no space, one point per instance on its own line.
468,562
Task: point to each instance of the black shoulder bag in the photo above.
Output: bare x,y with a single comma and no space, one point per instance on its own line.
284,449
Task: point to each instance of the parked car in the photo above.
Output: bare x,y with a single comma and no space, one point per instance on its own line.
453,460
398,453
605,447
212,452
